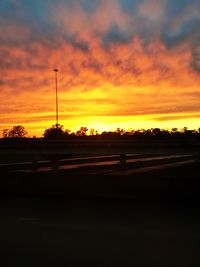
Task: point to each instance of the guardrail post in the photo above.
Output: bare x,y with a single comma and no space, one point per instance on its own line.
35,164
122,161
55,165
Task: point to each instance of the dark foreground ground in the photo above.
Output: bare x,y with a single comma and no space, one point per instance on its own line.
143,224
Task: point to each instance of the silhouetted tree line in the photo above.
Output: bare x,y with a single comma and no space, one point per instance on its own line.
58,132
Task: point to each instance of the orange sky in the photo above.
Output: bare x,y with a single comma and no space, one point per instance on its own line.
102,84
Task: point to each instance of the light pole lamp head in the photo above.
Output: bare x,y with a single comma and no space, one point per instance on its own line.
56,70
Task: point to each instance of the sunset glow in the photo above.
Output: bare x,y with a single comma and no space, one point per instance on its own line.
130,64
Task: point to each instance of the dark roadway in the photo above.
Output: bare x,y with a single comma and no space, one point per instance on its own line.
161,229
45,232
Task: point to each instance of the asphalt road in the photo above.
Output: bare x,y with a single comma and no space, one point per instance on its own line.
58,232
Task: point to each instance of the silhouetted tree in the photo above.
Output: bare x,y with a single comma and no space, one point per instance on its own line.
55,132
82,131
184,130
67,132
174,130
147,132
17,131
156,131
120,131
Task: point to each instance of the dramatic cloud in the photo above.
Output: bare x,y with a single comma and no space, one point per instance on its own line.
111,55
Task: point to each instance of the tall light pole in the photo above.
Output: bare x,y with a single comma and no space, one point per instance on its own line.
56,81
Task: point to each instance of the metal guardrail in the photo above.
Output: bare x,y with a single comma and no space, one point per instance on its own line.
121,161
55,163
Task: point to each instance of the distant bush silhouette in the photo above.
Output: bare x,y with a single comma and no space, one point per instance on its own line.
17,131
82,131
